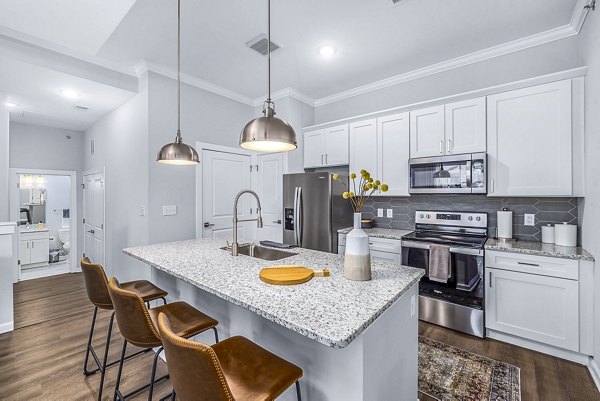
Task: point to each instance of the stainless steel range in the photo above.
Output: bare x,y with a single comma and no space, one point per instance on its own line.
458,301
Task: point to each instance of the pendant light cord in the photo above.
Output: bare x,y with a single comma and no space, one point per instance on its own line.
178,71
269,48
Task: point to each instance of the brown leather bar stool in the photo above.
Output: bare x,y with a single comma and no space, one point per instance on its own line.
138,326
234,369
96,285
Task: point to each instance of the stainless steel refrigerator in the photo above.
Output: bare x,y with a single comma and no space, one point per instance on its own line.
314,209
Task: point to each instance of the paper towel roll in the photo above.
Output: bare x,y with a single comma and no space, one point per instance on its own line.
565,234
548,234
505,226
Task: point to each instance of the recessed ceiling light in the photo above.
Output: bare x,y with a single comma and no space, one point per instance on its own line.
327,51
9,104
71,94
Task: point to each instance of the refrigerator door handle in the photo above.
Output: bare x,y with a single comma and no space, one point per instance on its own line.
299,221
296,216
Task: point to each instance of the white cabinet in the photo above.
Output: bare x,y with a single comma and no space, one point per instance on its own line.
382,249
539,308
427,132
529,140
34,248
465,126
381,146
326,147
453,128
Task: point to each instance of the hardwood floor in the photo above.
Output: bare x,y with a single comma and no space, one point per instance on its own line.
42,359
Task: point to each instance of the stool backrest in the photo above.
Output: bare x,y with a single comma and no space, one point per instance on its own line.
96,284
194,368
132,315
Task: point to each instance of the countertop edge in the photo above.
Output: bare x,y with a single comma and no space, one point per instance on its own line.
332,343
535,252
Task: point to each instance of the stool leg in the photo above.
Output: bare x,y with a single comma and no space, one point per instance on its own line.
117,392
298,394
105,361
173,396
153,374
89,344
164,300
216,335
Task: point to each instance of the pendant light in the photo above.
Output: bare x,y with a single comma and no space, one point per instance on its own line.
268,133
178,153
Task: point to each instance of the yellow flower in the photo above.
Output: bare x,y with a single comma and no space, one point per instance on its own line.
384,188
346,195
368,186
353,176
352,194
336,176
371,180
375,187
377,182
363,172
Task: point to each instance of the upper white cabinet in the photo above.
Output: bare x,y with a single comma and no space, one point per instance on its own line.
453,128
326,147
465,126
427,132
529,141
381,146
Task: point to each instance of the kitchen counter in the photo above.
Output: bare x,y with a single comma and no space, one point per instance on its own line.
377,232
32,229
332,310
538,248
347,336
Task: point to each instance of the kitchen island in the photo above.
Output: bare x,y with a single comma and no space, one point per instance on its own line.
354,340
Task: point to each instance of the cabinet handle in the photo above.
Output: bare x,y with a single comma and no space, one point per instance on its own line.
27,245
492,186
442,146
528,264
326,158
490,280
277,221
449,149
321,159
32,244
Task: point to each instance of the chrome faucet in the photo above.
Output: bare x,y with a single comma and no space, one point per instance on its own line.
259,220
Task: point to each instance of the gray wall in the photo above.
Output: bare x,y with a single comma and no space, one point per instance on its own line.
46,148
4,165
546,210
590,207
122,149
206,117
551,57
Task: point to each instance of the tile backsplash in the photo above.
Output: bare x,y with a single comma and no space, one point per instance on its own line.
546,210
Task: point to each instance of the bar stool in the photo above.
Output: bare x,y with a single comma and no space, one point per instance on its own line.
96,285
138,326
234,369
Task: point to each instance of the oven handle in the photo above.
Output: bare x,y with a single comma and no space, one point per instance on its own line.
461,251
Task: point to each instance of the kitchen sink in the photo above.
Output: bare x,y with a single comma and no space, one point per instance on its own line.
261,252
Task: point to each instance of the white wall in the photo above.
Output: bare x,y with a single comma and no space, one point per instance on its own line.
4,165
122,149
58,197
590,208
206,117
539,60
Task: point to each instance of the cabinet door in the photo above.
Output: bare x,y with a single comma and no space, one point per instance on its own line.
393,134
465,126
529,141
363,147
25,252
40,249
337,146
538,308
314,152
427,132
386,257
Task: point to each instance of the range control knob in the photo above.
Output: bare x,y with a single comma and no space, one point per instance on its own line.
478,218
470,218
421,216
428,216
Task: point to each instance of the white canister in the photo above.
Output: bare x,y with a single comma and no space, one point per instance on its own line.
565,234
505,224
548,234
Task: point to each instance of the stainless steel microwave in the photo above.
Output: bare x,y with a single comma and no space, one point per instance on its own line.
456,174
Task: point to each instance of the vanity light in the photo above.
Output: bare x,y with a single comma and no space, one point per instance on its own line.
268,133
69,93
178,153
327,51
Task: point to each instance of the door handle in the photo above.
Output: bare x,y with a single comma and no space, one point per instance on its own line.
91,231
207,224
490,280
277,221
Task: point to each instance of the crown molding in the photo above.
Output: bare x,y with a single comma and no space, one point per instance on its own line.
287,92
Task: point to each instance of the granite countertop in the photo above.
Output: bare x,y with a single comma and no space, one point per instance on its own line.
378,232
331,310
538,248
32,229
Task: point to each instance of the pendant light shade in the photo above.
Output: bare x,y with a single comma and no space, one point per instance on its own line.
178,153
268,133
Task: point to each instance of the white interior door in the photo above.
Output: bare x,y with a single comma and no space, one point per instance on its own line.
93,217
223,176
269,187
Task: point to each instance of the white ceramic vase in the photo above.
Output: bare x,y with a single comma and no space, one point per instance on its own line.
357,259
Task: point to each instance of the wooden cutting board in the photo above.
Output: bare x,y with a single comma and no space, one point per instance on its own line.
290,275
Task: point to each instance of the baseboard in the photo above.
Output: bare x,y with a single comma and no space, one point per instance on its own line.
595,372
51,269
572,356
7,327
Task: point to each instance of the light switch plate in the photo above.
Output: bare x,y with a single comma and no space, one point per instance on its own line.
169,210
390,213
379,212
530,219
142,210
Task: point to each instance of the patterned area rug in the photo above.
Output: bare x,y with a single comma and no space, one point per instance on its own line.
452,374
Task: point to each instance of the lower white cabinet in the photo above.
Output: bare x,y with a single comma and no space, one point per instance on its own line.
382,249
34,248
539,308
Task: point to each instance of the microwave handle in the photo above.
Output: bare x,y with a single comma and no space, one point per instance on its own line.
469,168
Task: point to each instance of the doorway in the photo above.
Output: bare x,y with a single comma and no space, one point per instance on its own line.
44,203
93,216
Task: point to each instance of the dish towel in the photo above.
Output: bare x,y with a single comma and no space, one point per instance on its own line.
439,263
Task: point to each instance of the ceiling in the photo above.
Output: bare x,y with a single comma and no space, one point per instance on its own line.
375,40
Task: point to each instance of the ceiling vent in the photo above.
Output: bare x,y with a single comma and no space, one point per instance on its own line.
260,44
80,107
